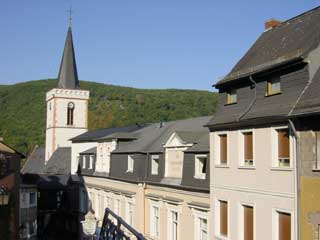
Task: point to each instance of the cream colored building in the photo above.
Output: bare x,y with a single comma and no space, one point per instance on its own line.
154,176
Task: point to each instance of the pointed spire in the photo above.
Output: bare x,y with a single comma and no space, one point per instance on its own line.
68,75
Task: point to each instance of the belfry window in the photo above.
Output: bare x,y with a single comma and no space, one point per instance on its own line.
70,113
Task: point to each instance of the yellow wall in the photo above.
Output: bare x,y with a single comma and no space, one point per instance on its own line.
310,205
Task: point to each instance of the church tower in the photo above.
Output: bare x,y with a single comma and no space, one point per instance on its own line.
67,105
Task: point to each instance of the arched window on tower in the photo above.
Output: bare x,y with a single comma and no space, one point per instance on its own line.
70,114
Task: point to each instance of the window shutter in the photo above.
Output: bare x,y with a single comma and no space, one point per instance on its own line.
284,226
248,223
223,218
248,147
223,148
283,143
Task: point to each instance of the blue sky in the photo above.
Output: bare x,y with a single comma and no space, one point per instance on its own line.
142,43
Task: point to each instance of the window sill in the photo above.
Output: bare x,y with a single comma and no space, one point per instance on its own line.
229,104
129,171
200,177
286,169
219,237
247,167
272,94
221,166
315,169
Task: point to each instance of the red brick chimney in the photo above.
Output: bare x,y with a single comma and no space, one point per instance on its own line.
271,23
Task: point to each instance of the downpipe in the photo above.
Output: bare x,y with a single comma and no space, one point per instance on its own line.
297,176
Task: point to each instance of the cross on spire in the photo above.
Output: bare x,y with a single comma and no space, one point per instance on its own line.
70,11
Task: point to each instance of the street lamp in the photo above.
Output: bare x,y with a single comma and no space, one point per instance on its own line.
4,195
89,225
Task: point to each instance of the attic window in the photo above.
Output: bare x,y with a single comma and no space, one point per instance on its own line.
200,166
130,163
232,96
274,87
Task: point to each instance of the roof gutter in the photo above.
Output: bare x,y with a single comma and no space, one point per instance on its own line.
297,176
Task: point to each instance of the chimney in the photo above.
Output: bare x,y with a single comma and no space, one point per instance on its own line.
271,23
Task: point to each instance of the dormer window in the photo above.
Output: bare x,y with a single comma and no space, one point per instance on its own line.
70,114
154,164
130,163
232,96
274,87
200,166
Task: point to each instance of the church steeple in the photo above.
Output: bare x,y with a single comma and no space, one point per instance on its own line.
68,75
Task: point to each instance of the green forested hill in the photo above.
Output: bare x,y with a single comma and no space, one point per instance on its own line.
22,108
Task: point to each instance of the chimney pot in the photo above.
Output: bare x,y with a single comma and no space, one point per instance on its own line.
271,23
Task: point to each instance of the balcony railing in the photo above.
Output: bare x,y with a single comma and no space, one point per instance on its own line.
115,228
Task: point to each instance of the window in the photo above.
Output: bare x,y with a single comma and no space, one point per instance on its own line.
247,148
129,212
284,226
32,199
203,228
91,157
70,114
173,224
223,141
154,164
107,202
274,87
155,222
223,221
232,96
32,228
316,165
130,163
83,161
283,147
248,223
200,166
117,206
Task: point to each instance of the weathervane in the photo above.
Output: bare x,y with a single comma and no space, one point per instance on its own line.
70,11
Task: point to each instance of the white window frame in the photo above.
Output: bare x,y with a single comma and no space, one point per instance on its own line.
217,219
275,222
242,205
170,210
197,170
107,200
35,199
274,147
155,159
35,228
153,233
130,163
129,219
198,215
84,159
242,163
117,205
91,158
217,149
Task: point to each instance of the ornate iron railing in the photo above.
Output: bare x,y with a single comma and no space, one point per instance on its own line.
115,228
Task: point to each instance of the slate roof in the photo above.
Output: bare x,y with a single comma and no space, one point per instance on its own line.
202,145
309,102
153,137
60,161
90,151
68,75
96,135
189,137
35,162
291,40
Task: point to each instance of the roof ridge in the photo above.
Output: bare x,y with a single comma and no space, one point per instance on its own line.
298,16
